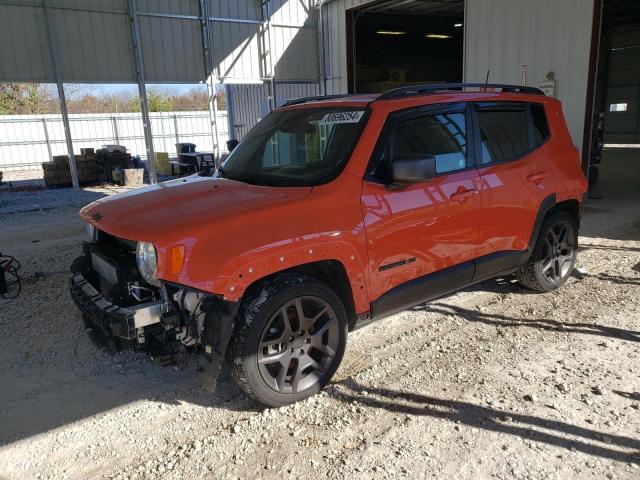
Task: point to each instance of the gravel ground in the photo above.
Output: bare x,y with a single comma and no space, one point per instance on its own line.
493,382
23,191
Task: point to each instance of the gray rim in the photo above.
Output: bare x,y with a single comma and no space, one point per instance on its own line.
298,344
558,252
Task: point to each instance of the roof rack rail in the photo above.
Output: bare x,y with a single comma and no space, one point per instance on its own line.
437,87
297,101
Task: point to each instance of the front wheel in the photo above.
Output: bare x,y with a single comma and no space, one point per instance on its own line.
554,254
289,340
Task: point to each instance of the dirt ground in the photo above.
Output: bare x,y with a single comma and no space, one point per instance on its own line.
492,382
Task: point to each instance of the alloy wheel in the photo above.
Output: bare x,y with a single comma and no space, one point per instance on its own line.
558,252
298,344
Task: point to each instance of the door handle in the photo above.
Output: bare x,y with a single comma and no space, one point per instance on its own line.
462,195
537,177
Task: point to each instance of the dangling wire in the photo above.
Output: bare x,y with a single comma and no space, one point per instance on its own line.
9,267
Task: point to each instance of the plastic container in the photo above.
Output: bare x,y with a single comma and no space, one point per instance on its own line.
185,147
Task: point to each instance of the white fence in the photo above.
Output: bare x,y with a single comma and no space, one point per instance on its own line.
26,141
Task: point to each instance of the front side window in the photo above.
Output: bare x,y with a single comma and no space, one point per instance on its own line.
441,135
503,132
300,147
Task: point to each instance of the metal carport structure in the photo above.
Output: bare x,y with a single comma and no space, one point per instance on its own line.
158,41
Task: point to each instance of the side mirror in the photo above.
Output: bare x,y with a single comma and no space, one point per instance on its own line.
414,169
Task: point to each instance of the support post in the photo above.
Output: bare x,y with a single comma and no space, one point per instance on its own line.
142,89
269,74
320,51
116,132
46,137
231,117
53,54
211,83
175,128
213,112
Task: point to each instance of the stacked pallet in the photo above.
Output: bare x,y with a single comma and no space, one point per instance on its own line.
112,160
87,166
57,173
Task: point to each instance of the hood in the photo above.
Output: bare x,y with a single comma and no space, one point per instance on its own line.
146,213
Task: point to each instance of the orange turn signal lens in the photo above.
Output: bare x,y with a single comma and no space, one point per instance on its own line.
177,258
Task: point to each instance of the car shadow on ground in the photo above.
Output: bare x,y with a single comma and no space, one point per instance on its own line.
509,286
587,246
498,320
635,396
543,430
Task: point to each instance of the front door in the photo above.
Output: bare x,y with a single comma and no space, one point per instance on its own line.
418,229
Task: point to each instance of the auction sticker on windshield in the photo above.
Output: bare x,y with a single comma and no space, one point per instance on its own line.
342,117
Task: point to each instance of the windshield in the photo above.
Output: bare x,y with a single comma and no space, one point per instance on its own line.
301,147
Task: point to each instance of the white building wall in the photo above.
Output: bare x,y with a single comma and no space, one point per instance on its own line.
335,43
546,35
501,36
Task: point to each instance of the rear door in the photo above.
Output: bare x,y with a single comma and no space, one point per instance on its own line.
422,228
514,172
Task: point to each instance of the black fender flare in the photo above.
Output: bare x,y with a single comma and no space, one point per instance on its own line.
547,204
219,322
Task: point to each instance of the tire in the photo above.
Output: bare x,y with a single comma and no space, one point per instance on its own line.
289,339
554,254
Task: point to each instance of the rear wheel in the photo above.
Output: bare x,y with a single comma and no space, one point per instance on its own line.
554,255
289,341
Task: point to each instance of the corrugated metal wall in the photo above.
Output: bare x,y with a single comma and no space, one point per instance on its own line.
335,44
251,102
93,41
623,86
28,59
501,36
545,35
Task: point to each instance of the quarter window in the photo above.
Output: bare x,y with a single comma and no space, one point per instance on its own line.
503,133
540,125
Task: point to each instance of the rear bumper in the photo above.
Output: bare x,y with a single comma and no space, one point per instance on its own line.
111,319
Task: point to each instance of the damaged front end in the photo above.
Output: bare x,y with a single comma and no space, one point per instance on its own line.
172,323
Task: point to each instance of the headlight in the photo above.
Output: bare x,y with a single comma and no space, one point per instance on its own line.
92,233
147,261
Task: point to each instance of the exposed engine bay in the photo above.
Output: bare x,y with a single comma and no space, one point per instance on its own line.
122,309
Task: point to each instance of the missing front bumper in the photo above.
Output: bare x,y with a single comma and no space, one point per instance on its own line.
111,319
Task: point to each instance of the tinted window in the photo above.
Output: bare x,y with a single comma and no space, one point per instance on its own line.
503,133
540,125
442,135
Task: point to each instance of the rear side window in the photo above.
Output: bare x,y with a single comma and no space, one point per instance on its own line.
503,132
540,125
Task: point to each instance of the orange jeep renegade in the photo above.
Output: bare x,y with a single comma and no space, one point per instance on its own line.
331,213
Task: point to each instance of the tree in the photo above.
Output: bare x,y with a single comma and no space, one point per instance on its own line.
196,99
26,98
157,102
